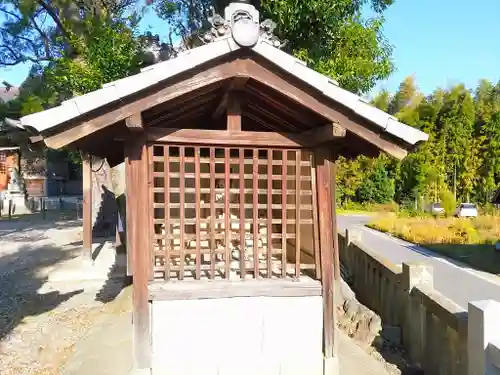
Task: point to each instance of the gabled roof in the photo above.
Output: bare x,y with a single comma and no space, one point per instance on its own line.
152,75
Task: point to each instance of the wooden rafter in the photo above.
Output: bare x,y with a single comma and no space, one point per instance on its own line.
302,96
134,122
273,117
290,111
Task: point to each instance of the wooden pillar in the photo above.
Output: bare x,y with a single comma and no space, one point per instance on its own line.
138,244
87,206
233,112
327,233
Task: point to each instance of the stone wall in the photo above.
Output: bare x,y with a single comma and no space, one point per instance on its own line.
433,328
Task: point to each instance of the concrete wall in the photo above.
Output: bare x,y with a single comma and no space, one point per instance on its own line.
433,328
244,335
438,335
484,338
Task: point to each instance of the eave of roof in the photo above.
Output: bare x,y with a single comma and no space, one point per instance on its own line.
117,90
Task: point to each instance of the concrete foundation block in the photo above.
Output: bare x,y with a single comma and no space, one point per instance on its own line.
331,366
262,339
143,371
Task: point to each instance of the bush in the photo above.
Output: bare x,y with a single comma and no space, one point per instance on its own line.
377,188
448,202
370,207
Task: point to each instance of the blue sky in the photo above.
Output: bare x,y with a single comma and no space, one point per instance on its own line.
441,42
444,42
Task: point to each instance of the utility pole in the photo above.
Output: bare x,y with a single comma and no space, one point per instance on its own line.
455,180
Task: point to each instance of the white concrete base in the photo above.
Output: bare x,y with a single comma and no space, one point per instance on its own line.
243,335
140,372
19,206
107,264
331,366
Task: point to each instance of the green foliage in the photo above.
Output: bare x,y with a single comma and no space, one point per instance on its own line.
462,151
377,187
107,52
331,36
382,100
42,31
448,202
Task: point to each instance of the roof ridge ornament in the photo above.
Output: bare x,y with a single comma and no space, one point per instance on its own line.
241,21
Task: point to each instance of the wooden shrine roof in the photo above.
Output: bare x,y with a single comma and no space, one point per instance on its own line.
277,92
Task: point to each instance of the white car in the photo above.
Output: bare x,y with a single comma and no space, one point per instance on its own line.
436,209
466,210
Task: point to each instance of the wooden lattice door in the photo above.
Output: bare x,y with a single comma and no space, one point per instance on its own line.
224,212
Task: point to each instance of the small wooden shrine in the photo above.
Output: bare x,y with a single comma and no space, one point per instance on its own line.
230,173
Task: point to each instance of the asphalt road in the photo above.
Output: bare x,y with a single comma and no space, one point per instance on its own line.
455,281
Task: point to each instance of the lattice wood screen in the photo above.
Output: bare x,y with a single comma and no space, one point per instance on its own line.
226,213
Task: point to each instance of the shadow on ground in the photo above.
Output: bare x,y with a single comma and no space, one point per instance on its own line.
52,220
482,257
20,281
117,278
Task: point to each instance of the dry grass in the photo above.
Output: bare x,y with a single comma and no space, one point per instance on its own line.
468,240
429,230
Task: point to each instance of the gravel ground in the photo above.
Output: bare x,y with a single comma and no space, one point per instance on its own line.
40,322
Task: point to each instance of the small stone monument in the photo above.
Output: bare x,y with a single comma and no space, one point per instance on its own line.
15,193
15,184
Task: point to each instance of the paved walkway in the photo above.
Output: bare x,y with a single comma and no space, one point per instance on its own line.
456,281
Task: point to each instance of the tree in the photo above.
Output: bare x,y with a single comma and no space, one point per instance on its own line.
448,202
331,36
377,187
405,95
455,125
40,31
382,100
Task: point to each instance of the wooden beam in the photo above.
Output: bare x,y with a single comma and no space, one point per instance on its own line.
134,122
346,118
223,137
87,206
36,138
202,78
238,83
324,134
326,232
233,113
138,235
